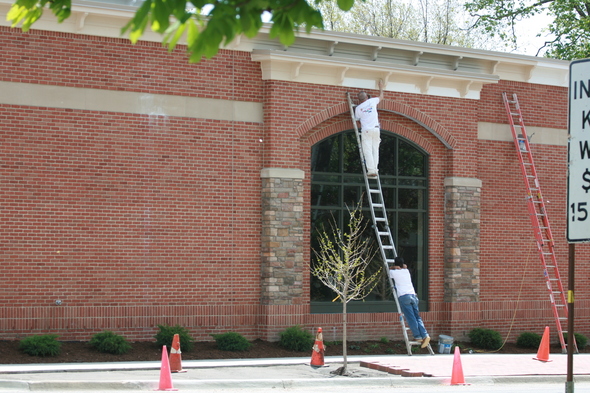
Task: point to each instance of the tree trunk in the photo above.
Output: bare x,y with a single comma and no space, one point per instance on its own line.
344,338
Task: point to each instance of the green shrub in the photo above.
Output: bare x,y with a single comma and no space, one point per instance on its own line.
166,334
109,342
384,340
581,340
231,341
296,339
45,345
485,338
528,340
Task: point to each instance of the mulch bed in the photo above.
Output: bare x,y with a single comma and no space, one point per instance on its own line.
76,352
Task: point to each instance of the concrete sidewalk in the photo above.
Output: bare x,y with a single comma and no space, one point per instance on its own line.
290,372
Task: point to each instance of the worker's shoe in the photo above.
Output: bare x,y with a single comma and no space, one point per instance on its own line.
372,175
425,342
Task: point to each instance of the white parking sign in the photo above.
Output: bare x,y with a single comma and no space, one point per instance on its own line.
578,188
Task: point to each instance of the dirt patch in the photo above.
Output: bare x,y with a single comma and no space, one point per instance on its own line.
77,352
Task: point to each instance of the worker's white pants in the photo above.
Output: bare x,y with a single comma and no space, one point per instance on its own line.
370,141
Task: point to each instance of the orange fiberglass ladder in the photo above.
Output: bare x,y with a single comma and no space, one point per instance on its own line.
382,230
538,216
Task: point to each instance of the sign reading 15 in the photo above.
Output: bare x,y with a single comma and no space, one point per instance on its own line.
581,210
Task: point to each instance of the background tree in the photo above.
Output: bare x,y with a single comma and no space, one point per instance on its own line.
569,26
342,261
435,21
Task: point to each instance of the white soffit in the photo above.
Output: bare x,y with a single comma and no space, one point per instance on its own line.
341,59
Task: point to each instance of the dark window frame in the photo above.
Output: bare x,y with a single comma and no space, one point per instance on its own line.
341,184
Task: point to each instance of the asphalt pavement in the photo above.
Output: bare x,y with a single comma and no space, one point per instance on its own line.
422,369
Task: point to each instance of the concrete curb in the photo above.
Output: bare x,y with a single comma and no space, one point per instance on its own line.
335,382
229,384
205,374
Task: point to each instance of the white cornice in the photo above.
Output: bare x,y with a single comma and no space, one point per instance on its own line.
334,58
331,70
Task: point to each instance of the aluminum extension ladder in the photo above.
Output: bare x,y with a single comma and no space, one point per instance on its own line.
382,230
538,216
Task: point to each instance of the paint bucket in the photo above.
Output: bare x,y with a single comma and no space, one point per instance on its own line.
444,343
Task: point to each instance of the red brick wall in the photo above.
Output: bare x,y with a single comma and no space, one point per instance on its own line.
63,59
135,220
130,220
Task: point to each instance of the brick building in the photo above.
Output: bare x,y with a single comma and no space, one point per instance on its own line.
138,189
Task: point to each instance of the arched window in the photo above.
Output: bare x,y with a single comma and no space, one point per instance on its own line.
337,184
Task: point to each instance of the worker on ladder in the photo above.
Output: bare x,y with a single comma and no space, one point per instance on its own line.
408,300
366,113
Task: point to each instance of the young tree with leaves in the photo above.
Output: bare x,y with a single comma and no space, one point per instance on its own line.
341,265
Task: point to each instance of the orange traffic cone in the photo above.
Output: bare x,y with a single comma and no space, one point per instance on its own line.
543,352
165,376
457,377
175,358
317,353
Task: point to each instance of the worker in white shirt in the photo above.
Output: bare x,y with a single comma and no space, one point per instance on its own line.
366,113
408,300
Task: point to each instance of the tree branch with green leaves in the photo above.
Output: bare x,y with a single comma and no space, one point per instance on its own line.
205,34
